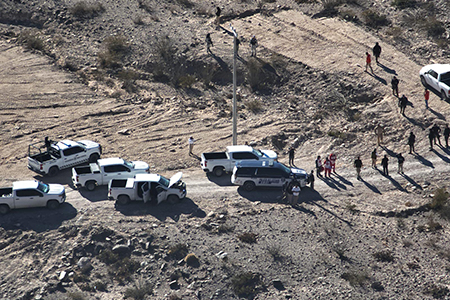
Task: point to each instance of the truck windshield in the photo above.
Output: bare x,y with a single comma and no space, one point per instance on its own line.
285,169
164,181
43,187
258,153
129,164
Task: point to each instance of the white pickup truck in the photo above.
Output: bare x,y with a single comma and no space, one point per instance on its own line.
437,76
50,157
104,170
220,162
31,193
151,188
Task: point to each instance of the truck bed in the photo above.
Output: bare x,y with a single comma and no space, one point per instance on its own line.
215,155
83,170
5,192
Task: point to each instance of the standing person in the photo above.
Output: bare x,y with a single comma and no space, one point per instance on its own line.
394,84
411,142
400,160
374,158
333,162
385,163
327,165
191,142
253,45
238,42
209,43
319,167
291,156
426,94
431,138
295,193
436,134
358,165
218,12
368,62
402,102
376,51
446,135
379,130
311,179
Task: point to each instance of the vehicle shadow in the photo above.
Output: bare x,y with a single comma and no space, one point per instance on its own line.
224,180
99,194
63,177
38,219
162,211
266,195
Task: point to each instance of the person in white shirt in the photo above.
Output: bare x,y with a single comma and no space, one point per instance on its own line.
191,145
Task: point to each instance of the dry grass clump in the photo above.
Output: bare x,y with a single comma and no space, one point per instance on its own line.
139,291
374,19
178,251
254,105
437,291
248,237
356,277
116,47
31,40
384,256
246,284
85,10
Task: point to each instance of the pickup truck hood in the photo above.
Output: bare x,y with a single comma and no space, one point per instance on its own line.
299,173
270,154
175,178
55,189
89,144
140,165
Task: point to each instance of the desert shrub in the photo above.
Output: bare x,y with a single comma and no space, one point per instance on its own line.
434,27
356,277
123,269
145,5
31,40
248,237
86,10
186,81
407,243
254,105
185,3
440,199
401,223
275,251
402,4
433,225
116,47
394,31
349,15
76,296
384,256
260,75
178,251
351,207
341,250
138,20
108,257
246,284
224,228
192,260
438,292
99,285
373,19
337,134
139,291
80,277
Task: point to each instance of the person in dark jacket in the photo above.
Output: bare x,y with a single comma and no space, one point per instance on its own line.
402,102
209,43
431,138
400,160
411,142
311,179
253,45
446,135
376,51
358,165
394,84
436,134
385,163
374,158
291,156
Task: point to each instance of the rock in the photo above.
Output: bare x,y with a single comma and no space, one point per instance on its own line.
278,284
124,132
174,285
121,249
62,276
84,264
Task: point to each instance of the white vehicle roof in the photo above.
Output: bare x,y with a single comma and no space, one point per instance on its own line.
439,68
239,148
110,161
65,144
147,177
26,184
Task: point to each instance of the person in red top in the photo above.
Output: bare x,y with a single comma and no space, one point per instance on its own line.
368,61
427,97
333,162
327,167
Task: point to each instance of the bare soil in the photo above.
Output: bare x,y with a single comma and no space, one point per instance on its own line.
348,239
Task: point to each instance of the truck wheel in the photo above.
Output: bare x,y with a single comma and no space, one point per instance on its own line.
424,83
123,200
443,95
218,171
52,204
53,171
90,185
249,186
93,158
173,199
4,209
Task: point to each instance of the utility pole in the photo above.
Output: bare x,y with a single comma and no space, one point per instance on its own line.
234,86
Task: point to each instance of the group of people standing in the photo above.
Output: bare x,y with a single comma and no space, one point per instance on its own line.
328,165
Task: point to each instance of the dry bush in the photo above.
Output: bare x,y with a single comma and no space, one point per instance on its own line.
225,228
116,47
440,203
255,106
31,40
374,19
437,291
356,277
248,237
85,10
178,251
192,260
145,5
76,296
275,251
246,284
402,4
384,256
434,27
139,291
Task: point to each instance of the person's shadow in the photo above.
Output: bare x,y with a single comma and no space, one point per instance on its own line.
380,79
371,187
386,69
424,161
444,158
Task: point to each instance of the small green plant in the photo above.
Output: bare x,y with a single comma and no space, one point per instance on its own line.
178,251
248,237
374,20
246,284
85,10
384,256
356,277
254,105
31,40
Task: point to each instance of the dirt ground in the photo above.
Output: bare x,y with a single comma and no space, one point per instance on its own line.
373,238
